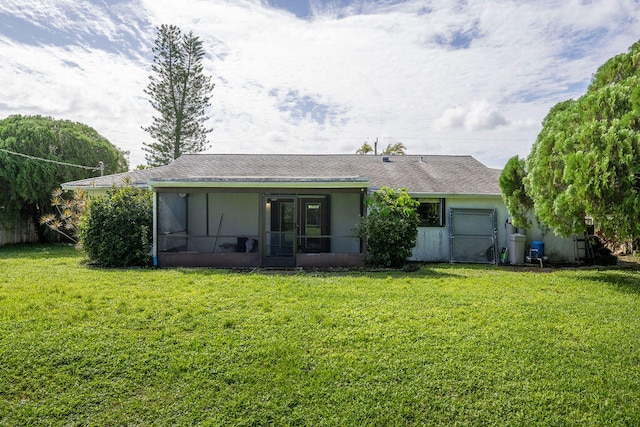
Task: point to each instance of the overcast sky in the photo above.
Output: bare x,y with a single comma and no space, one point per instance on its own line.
319,76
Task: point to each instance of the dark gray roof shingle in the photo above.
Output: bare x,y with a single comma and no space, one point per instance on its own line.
420,174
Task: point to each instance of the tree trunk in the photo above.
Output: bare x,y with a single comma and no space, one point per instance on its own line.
33,212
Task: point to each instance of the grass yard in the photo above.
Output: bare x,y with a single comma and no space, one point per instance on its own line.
455,345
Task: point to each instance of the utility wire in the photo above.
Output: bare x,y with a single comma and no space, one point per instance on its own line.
99,168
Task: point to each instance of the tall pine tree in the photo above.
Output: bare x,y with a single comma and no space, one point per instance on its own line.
180,91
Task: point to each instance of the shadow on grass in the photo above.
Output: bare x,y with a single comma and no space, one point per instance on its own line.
37,250
417,271
627,281
422,270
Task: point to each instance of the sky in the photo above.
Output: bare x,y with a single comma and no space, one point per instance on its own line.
455,77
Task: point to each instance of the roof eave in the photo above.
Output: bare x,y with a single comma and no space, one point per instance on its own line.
455,195
249,182
70,186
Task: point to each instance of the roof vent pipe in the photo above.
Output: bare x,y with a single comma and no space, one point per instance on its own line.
386,159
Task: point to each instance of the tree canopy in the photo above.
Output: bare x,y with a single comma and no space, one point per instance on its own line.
515,197
365,148
586,160
180,92
395,149
38,153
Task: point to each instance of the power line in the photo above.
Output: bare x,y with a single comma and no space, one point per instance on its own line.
99,168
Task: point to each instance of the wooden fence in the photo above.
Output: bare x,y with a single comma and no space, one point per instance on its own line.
22,232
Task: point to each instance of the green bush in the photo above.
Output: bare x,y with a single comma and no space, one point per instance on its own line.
117,229
391,227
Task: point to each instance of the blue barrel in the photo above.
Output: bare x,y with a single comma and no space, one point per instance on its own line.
537,247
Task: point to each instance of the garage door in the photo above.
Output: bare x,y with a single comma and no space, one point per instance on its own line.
473,234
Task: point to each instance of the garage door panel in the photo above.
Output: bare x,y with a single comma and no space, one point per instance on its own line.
473,235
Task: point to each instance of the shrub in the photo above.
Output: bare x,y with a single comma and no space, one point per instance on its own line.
117,229
391,227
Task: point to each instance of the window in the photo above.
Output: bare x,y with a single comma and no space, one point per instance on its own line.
431,213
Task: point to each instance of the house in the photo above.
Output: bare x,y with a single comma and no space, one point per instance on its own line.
252,210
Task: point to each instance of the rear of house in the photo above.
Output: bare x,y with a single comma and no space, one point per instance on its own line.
226,210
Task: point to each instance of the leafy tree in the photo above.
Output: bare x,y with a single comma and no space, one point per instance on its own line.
586,160
519,204
37,154
365,149
180,93
394,149
70,209
117,228
391,227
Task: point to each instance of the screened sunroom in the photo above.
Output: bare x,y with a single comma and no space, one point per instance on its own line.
283,225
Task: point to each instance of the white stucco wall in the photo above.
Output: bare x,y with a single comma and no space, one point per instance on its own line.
558,249
432,244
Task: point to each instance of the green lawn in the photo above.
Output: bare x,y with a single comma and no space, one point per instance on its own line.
456,345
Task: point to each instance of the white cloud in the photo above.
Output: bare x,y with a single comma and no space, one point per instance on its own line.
474,77
479,116
80,22
483,117
452,118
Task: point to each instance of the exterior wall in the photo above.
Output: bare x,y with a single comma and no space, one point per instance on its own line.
197,214
228,216
236,214
345,214
558,249
433,243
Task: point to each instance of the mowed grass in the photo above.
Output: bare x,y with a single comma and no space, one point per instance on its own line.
454,345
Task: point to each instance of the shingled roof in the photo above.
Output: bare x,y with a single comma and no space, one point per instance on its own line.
426,174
